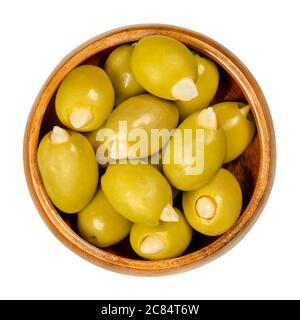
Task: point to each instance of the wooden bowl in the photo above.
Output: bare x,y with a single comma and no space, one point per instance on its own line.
254,169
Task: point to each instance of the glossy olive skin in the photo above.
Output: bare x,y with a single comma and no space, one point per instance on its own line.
239,130
100,224
153,60
117,66
176,236
86,87
225,190
139,192
214,153
207,84
144,112
69,171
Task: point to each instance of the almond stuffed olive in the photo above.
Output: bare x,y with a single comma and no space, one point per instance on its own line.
165,67
164,241
214,208
239,129
183,172
68,168
85,98
145,112
139,192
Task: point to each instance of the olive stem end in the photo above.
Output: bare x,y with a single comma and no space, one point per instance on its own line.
59,135
185,90
245,110
169,214
152,245
80,117
207,119
206,207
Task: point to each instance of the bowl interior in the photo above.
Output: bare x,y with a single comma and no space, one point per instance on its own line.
245,168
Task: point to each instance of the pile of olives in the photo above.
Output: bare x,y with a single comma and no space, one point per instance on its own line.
156,83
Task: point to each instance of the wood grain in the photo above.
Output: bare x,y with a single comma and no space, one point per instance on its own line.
255,169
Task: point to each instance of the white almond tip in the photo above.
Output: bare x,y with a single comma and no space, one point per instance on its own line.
59,135
152,245
245,110
207,119
80,117
206,207
185,90
169,214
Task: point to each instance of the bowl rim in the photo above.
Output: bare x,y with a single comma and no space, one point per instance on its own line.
265,129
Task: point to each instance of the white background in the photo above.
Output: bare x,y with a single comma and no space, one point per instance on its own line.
36,35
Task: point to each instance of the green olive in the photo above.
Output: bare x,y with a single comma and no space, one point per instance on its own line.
165,67
68,168
239,130
139,192
145,112
207,85
85,98
165,241
214,209
100,224
117,66
191,170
